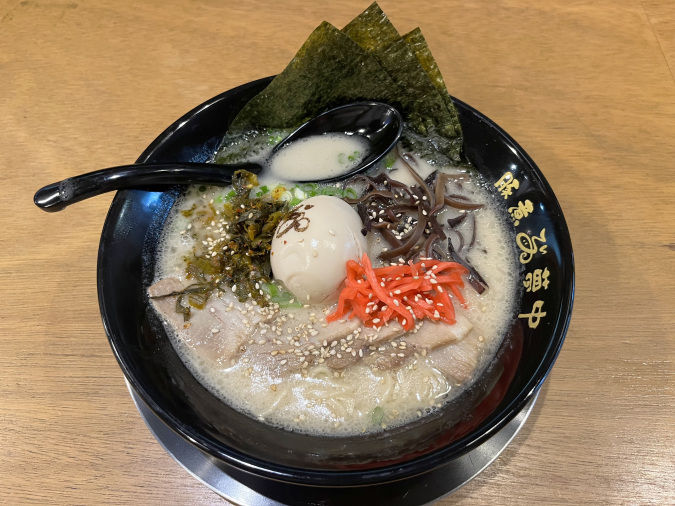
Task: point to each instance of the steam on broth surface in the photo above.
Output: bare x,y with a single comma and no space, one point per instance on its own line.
273,354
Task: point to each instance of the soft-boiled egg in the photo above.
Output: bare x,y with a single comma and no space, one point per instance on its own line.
311,247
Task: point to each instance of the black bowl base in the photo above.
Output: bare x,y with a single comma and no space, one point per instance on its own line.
246,489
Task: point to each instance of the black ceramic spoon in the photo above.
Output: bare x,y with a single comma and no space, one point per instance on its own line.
380,123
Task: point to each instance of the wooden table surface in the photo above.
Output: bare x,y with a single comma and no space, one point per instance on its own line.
587,88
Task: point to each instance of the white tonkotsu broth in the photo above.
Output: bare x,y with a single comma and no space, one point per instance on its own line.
319,157
330,402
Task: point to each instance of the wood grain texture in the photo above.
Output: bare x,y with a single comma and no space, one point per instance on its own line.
586,88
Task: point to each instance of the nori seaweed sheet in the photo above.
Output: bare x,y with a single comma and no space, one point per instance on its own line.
372,29
330,69
419,46
423,106
367,60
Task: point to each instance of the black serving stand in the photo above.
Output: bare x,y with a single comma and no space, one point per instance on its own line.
246,489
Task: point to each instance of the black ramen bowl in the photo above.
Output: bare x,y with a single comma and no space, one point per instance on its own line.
126,263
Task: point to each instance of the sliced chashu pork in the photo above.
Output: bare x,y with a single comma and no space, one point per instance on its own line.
268,355
338,345
215,333
432,335
235,326
459,360
429,336
225,328
454,349
360,347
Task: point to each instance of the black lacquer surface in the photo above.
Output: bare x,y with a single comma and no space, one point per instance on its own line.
147,176
126,264
380,123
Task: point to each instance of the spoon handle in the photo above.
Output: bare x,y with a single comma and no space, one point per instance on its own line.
57,196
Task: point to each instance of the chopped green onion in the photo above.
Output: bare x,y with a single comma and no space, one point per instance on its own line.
389,160
331,191
280,296
308,187
378,414
274,139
